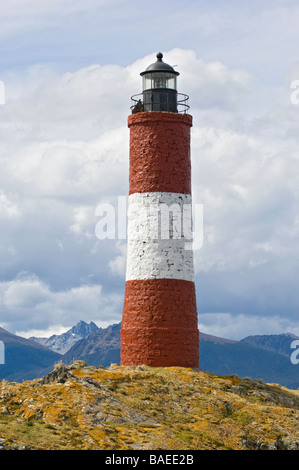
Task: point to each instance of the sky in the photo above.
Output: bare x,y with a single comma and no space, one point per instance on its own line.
69,69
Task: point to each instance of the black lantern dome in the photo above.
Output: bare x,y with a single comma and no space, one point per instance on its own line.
159,89
159,66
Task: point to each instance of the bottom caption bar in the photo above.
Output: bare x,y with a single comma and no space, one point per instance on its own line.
142,458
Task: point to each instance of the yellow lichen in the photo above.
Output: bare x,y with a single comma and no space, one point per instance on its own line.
146,408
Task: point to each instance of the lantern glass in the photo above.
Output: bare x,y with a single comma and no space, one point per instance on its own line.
159,80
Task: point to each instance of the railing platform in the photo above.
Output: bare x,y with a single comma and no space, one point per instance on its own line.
138,105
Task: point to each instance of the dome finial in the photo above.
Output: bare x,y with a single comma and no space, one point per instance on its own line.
159,56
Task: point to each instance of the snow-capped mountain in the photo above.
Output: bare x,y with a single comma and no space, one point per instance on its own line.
62,343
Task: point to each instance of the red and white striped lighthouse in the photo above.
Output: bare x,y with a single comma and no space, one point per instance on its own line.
159,323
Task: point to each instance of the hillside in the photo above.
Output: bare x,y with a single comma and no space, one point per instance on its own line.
24,359
80,407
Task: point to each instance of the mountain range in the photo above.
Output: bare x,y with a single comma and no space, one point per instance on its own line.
265,357
62,343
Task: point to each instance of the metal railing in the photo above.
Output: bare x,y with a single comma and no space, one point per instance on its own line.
138,105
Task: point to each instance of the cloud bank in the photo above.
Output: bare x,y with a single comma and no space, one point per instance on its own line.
64,149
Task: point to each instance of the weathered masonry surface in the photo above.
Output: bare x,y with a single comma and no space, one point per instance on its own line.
160,153
159,324
159,236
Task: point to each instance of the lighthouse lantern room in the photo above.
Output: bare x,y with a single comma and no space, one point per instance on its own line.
159,90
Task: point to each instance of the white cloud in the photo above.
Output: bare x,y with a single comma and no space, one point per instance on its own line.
73,169
230,326
83,222
7,207
117,265
248,186
23,293
20,15
210,84
29,303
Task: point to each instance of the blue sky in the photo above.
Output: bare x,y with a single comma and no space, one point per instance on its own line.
258,36
69,70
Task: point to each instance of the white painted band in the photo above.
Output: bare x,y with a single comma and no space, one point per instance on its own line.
160,236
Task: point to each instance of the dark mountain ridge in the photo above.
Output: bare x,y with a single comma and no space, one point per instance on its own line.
276,343
24,359
265,357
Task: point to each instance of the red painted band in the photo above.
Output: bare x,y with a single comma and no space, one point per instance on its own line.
160,152
158,347
159,325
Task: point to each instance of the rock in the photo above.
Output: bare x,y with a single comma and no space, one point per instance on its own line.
250,444
228,407
267,447
239,390
78,364
60,375
286,443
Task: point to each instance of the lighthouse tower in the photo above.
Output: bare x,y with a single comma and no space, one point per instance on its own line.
159,323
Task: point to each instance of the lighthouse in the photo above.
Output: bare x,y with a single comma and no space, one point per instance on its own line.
159,321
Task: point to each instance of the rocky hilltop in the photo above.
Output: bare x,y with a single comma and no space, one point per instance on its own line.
114,408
